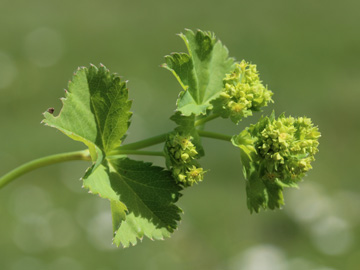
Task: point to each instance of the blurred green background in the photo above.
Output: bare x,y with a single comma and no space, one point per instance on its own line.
307,52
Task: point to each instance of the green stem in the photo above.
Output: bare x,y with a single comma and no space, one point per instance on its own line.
214,135
144,143
157,139
116,154
206,119
42,162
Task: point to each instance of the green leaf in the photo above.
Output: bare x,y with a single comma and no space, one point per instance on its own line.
263,194
274,155
247,151
256,193
200,72
275,195
95,111
142,199
260,193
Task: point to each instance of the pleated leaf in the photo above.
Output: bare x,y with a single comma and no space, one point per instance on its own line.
145,193
95,111
200,72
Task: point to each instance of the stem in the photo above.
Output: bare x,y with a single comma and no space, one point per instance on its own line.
214,135
156,139
116,154
42,162
206,119
144,143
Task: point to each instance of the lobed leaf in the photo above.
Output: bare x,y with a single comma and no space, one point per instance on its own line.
259,192
200,72
142,199
95,111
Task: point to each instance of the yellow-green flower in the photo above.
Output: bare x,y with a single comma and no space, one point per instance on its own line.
242,94
276,153
181,155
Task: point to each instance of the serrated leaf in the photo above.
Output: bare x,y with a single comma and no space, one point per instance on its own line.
256,193
143,193
95,111
275,197
200,72
260,193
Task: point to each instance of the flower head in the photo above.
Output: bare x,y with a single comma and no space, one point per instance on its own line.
181,155
275,153
286,146
242,94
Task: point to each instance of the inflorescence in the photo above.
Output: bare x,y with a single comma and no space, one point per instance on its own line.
280,149
287,146
242,94
182,156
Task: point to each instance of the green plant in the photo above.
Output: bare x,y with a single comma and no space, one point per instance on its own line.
275,153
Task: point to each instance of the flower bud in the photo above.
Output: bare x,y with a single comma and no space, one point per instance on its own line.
185,157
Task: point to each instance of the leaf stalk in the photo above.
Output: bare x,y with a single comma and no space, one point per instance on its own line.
116,154
214,135
144,143
206,119
42,162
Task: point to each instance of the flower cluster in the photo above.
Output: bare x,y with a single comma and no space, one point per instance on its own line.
286,146
242,94
182,154
275,153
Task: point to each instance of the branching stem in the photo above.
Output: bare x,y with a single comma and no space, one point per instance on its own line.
206,119
144,143
128,149
214,135
42,162
116,154
157,139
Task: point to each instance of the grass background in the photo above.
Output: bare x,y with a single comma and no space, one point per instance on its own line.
307,52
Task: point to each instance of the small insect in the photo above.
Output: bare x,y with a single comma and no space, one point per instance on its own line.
51,110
